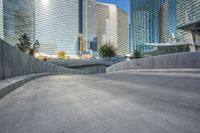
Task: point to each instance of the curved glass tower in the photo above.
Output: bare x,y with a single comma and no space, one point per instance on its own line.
57,26
152,21
61,24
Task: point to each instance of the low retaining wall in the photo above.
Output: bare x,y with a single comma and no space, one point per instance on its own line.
13,63
172,61
93,68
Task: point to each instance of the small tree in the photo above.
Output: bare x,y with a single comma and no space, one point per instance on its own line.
61,55
35,48
136,55
107,51
25,45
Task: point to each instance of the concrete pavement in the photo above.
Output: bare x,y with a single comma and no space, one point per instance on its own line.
122,102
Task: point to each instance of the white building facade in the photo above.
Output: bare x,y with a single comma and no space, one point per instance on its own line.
113,27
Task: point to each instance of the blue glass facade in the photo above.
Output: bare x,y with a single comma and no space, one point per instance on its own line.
144,22
152,21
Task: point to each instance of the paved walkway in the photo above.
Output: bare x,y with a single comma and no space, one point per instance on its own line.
112,103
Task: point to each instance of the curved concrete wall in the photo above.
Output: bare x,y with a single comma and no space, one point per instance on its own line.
14,63
172,61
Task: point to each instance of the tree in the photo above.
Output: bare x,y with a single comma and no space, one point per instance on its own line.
25,45
61,55
35,48
136,55
107,51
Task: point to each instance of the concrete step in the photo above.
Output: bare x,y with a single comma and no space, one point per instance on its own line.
9,85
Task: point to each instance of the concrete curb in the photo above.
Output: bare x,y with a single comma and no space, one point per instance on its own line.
184,71
9,85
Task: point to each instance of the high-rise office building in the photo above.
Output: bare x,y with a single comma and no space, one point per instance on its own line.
57,26
65,25
16,17
102,15
112,27
122,32
156,22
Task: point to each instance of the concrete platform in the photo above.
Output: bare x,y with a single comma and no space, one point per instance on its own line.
123,102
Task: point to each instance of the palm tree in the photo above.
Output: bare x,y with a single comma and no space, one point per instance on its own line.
107,51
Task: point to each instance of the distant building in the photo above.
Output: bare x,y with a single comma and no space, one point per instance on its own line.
122,32
112,27
102,15
188,22
16,17
164,23
89,25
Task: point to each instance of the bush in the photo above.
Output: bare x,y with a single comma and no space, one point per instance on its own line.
61,55
136,55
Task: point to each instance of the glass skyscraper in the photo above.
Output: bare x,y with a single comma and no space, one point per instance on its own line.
16,17
156,22
143,22
60,24
57,26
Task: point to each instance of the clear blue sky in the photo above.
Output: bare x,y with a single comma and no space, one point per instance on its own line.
124,4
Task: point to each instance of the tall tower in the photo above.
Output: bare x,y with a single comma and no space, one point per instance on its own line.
113,27
152,21
102,13
123,43
57,26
